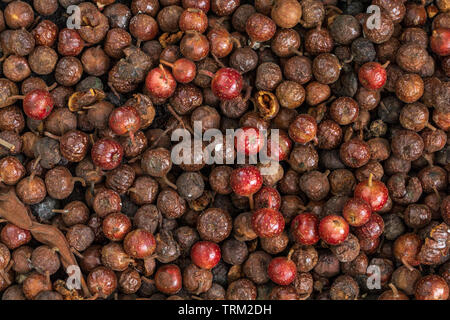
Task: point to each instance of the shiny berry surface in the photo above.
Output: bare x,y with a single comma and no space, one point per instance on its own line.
440,41
372,229
227,83
246,181
357,212
13,236
124,120
305,229
432,287
249,141
38,104
168,279
372,76
267,223
116,226
107,154
279,149
139,243
160,82
205,254
333,229
303,129
282,271
374,192
267,197
184,70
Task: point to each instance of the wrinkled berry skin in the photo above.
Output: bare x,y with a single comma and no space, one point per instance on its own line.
372,229
107,154
333,229
205,254
372,76
282,271
246,181
305,229
227,83
267,223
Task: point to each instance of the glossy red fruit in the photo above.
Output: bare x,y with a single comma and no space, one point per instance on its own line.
372,75
125,120
168,279
267,197
440,41
249,141
357,212
267,223
160,82
374,192
115,226
13,236
139,244
183,70
305,229
372,229
333,229
107,154
279,150
38,104
205,254
282,271
303,129
246,181
227,83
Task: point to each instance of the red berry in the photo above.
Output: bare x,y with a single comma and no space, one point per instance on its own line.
116,226
372,75
282,271
303,129
107,154
160,82
249,141
227,83
205,254
357,212
246,181
184,70
139,244
281,149
125,120
267,223
333,229
374,192
372,229
440,41
38,104
305,229
13,236
168,279
267,197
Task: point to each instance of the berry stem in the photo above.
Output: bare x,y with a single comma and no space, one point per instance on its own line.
169,183
385,65
80,180
166,63
394,289
206,73
251,202
370,180
60,211
7,145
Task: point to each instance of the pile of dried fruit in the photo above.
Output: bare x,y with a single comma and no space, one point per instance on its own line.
356,206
